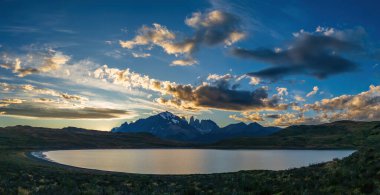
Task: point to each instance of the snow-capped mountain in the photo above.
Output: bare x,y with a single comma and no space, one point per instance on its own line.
169,126
204,126
165,125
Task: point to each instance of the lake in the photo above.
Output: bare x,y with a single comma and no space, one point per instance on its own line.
189,161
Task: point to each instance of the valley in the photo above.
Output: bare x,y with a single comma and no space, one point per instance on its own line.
358,173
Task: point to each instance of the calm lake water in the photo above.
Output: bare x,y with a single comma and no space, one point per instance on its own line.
191,161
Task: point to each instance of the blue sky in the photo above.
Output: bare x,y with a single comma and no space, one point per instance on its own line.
96,64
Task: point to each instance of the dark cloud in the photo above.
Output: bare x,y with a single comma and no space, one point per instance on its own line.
215,27
317,55
219,97
223,97
26,71
273,116
212,28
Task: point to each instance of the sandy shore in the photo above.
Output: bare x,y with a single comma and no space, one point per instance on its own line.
40,155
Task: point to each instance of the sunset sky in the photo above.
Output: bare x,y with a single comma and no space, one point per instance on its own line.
97,64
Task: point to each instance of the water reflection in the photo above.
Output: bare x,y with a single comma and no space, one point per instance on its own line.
191,161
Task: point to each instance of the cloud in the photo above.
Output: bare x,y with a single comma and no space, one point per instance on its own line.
67,31
11,101
146,35
233,80
5,87
184,62
278,119
129,79
325,30
288,119
41,64
22,71
313,92
159,35
53,93
215,27
299,98
108,42
218,95
316,54
48,110
186,47
117,54
19,29
210,28
216,77
247,117
140,55
48,103
7,102
54,62
254,81
282,91
32,90
5,66
362,106
222,97
43,100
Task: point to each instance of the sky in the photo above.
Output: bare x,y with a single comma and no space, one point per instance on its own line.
96,64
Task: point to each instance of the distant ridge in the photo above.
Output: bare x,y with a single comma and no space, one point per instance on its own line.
338,134
169,126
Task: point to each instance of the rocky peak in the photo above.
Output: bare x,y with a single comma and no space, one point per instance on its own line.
167,115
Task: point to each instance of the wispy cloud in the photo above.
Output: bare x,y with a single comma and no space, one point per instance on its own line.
19,29
49,110
313,92
140,55
66,31
50,61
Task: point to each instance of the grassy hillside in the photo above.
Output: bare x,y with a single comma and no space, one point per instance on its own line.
356,174
341,134
26,137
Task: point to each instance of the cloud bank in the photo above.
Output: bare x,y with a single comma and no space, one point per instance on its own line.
217,95
48,103
364,106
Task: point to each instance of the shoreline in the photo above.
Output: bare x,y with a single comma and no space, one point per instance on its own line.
49,162
97,171
42,158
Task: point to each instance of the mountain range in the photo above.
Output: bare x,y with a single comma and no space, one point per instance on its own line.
169,126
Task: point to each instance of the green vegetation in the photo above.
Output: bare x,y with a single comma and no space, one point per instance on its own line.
339,135
357,174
